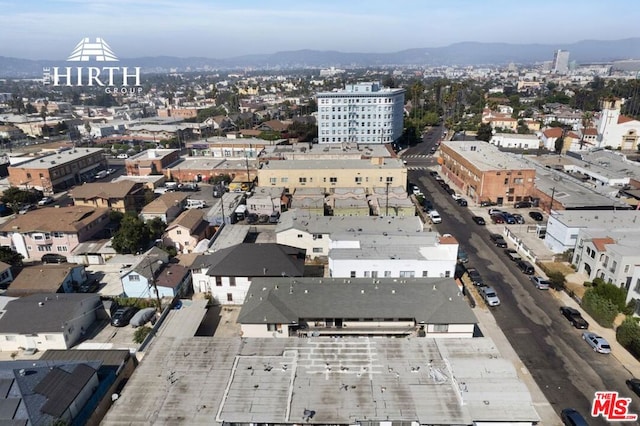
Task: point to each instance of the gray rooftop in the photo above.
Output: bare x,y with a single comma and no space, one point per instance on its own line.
315,224
287,300
610,164
486,157
188,381
214,163
26,315
48,161
410,246
606,219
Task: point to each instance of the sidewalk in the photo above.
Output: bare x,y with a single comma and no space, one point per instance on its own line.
490,329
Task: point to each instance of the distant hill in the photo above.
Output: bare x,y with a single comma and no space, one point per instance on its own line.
466,53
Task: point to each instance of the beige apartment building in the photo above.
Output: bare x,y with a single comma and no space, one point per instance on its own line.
368,174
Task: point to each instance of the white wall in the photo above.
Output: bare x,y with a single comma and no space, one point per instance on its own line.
307,242
559,237
341,268
203,283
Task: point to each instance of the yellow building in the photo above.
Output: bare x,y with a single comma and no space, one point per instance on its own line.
326,174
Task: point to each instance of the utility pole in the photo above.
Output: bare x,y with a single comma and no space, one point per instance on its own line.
155,285
386,213
553,193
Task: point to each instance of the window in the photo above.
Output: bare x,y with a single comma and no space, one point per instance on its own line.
333,179
179,232
134,277
387,273
302,180
45,248
407,274
272,327
353,275
374,274
614,265
637,287
447,274
57,234
284,179
299,235
232,281
389,179
366,274
229,297
425,274
317,249
358,179
626,268
440,328
62,248
273,180
218,281
518,181
49,337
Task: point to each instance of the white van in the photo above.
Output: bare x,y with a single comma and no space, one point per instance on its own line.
435,216
195,204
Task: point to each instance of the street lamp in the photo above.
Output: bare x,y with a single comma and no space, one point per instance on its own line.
154,284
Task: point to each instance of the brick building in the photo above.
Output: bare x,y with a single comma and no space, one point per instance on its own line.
486,174
59,171
151,161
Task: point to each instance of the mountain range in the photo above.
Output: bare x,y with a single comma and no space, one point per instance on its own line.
461,54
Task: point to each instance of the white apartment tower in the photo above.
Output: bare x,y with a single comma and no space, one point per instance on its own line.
561,62
362,113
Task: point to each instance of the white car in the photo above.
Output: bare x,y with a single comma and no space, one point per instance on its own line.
435,216
597,343
490,297
122,156
45,200
456,196
541,283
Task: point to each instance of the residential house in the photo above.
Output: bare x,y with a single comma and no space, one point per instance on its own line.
166,207
499,120
49,392
47,278
515,141
314,233
570,140
276,126
348,202
48,321
267,200
227,273
311,200
186,231
421,307
123,196
52,230
6,274
409,255
486,174
153,273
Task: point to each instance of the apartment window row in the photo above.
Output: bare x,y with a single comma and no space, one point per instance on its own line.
370,274
352,138
356,100
232,281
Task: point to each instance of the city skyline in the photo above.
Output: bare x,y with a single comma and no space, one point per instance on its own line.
142,28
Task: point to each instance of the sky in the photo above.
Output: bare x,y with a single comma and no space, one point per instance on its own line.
49,29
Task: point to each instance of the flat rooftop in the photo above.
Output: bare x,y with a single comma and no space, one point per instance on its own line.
62,157
486,157
606,219
349,164
356,225
194,380
215,163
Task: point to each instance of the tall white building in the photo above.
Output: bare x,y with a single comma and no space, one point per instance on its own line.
362,113
561,62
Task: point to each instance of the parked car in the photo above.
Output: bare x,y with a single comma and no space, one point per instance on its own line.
456,196
91,286
598,344
540,283
508,218
449,190
142,317
634,385
122,156
575,317
497,218
490,297
498,240
463,257
487,203
537,216
435,216
122,316
519,218
462,202
512,254
522,204
26,208
571,417
275,217
495,211
525,267
427,205
263,218
45,200
53,258
475,277
252,218
478,220
188,187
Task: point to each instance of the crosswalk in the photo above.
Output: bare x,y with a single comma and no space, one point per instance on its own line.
417,156
418,167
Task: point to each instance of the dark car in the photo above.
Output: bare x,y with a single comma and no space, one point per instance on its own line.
263,218
537,216
91,286
275,217
53,258
634,385
522,204
575,317
479,220
188,187
427,205
487,203
571,417
526,267
252,218
450,190
122,316
509,219
497,218
475,277
462,202
498,240
519,218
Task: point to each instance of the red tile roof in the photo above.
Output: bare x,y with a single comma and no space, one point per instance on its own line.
553,132
624,119
591,131
600,243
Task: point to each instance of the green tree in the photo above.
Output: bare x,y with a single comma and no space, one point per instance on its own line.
156,228
30,109
558,145
615,294
11,257
133,235
485,132
15,197
141,333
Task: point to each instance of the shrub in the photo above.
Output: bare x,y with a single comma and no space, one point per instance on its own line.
141,333
615,294
630,308
558,279
603,310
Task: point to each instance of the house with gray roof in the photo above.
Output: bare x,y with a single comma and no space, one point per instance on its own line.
289,307
313,233
153,273
48,321
227,273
